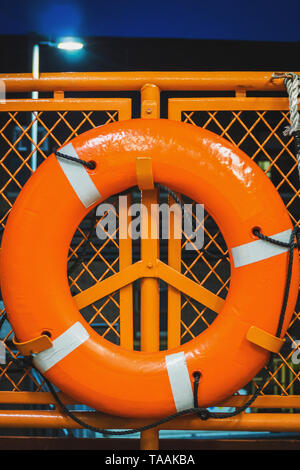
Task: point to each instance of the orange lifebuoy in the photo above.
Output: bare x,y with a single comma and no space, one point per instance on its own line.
36,294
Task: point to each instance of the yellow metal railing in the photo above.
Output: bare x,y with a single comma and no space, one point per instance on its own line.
252,115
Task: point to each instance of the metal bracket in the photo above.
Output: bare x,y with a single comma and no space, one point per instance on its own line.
33,346
144,173
264,339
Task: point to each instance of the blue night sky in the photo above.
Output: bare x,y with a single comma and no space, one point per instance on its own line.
264,20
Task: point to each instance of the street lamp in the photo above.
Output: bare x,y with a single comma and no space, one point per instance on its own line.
66,44
70,44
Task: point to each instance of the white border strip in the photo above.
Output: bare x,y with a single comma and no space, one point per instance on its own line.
61,347
259,250
78,177
180,381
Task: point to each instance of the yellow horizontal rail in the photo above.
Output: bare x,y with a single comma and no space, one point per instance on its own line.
116,81
244,422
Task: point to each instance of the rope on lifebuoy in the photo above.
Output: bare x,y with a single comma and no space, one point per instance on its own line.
205,413
202,413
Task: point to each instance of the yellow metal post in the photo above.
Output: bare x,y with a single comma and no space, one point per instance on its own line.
174,296
149,252
125,260
149,286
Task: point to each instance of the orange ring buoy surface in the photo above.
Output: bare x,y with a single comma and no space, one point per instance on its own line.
35,289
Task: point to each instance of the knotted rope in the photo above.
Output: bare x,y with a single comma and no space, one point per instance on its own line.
292,83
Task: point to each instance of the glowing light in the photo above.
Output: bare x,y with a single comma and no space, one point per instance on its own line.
70,45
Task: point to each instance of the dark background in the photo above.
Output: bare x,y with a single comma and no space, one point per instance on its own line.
160,35
119,54
261,20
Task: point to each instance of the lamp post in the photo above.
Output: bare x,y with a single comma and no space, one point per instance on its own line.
34,96
67,44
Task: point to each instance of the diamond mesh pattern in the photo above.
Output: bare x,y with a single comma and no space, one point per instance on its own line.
260,135
17,150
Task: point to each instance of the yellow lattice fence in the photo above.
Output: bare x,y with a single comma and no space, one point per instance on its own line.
253,123
259,133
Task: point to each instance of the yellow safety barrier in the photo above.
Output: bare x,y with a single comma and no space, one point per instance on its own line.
247,108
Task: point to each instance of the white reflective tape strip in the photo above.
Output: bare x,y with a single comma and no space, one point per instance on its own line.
259,250
2,353
78,177
61,347
180,381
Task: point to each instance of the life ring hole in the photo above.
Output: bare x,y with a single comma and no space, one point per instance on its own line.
46,333
255,231
196,374
92,164
201,256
